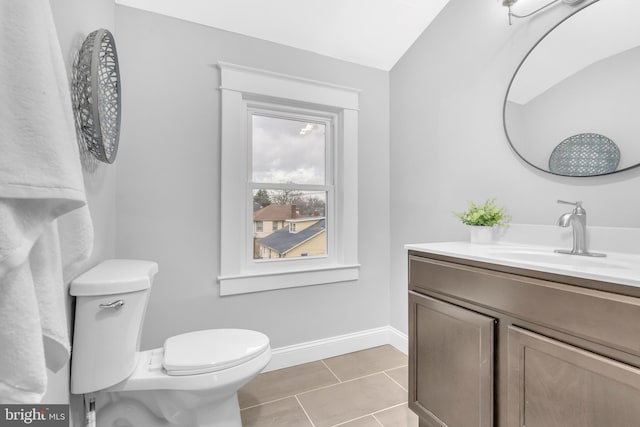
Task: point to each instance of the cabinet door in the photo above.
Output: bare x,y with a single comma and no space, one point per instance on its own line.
552,384
450,364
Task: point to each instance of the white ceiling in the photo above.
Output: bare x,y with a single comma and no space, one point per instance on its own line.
374,33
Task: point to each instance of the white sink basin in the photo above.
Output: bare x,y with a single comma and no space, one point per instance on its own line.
550,257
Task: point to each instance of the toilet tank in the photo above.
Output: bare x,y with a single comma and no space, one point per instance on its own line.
111,299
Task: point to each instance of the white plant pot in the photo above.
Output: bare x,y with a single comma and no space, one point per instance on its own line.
480,234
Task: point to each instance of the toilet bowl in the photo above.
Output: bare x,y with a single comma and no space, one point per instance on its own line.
192,381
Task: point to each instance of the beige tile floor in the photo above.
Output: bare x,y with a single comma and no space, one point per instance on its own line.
366,388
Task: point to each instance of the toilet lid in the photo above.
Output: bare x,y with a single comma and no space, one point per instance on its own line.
211,350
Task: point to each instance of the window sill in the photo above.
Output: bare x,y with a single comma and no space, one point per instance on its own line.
248,283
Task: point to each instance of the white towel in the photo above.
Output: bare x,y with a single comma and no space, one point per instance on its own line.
76,242
40,180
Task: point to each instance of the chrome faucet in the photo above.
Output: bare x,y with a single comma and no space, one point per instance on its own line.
578,220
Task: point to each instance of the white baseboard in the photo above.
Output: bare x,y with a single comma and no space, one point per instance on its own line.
398,339
310,351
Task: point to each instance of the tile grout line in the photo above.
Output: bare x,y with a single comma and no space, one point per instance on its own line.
351,420
333,373
397,367
372,414
354,379
342,382
377,420
396,382
304,410
331,385
310,390
267,403
386,409
301,392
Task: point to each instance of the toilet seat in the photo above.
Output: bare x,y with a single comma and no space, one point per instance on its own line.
211,350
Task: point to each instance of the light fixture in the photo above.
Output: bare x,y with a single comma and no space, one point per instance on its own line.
510,3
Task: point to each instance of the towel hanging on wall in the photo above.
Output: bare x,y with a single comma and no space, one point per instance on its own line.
40,180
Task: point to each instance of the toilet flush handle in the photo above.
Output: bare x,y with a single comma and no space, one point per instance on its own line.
116,304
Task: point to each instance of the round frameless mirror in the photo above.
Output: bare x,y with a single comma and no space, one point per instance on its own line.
572,106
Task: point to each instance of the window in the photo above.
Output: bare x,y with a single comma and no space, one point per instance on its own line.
288,156
291,166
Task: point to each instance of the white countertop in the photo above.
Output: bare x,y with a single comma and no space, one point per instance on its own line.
620,268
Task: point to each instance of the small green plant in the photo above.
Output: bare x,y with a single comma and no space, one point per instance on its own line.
484,215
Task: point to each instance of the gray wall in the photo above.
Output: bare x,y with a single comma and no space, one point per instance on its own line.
448,145
168,190
74,20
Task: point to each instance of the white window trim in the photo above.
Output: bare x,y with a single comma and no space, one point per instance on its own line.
239,86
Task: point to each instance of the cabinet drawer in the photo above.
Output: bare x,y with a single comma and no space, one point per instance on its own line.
605,318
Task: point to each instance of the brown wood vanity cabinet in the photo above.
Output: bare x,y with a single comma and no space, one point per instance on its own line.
499,346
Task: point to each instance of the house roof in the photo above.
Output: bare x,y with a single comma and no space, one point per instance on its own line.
283,241
275,213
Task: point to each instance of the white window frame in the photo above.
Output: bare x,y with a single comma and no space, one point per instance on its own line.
243,88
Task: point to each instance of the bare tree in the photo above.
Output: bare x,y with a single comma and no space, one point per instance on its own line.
286,197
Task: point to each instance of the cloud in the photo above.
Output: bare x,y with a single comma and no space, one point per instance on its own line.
282,154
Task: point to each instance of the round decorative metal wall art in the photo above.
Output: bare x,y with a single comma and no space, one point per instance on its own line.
96,95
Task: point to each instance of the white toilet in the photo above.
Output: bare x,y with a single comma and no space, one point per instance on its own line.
192,381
